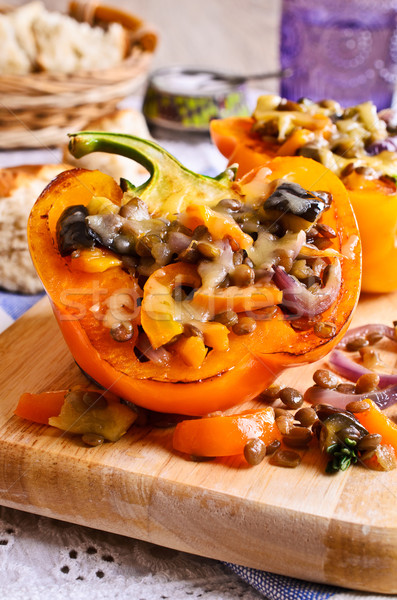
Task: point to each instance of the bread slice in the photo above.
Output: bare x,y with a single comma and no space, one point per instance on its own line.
19,189
67,46
128,121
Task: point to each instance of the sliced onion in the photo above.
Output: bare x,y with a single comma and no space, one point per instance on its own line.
318,395
347,367
299,300
389,144
365,330
159,356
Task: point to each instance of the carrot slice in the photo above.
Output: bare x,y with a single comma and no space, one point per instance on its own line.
225,435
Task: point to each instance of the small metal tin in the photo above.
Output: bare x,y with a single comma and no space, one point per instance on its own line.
187,99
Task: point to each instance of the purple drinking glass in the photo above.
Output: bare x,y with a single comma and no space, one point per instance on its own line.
340,49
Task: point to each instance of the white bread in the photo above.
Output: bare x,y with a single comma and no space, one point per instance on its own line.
19,189
67,46
120,121
13,60
22,21
33,38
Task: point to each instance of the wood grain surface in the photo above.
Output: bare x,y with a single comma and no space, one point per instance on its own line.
336,529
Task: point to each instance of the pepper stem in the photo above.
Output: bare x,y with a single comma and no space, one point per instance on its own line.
171,186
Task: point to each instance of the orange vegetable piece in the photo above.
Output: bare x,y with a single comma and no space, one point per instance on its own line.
219,225
375,421
159,309
40,407
95,260
192,350
225,435
296,140
238,299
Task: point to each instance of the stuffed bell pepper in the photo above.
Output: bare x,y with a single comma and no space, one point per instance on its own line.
189,294
356,143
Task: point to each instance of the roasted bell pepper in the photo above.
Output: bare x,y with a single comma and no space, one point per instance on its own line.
374,200
237,367
225,435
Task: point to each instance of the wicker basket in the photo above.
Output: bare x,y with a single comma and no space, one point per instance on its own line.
40,108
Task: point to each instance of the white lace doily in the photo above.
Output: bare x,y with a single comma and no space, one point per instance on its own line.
42,558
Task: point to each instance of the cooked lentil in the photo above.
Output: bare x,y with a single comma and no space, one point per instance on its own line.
254,451
285,458
291,397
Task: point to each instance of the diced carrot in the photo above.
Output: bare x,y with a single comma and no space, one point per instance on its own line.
225,435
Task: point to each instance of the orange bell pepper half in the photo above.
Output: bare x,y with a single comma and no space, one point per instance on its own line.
225,435
230,372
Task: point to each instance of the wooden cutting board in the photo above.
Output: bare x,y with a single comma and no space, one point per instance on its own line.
338,529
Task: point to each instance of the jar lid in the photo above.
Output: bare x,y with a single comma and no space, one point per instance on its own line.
187,99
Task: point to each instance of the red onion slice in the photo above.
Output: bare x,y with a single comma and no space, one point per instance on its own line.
365,330
299,300
159,356
347,367
318,395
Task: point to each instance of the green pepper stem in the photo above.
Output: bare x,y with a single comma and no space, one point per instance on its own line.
170,185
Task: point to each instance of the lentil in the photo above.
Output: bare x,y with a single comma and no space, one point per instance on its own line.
282,412
369,442
243,275
284,424
94,400
190,330
357,406
325,379
254,451
208,250
291,397
228,318
230,204
92,439
374,337
285,458
271,448
298,437
306,416
356,344
326,231
324,329
122,332
346,388
367,383
271,393
370,358
244,326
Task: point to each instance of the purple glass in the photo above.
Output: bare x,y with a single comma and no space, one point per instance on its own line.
340,49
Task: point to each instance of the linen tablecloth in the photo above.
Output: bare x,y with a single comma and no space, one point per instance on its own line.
44,558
